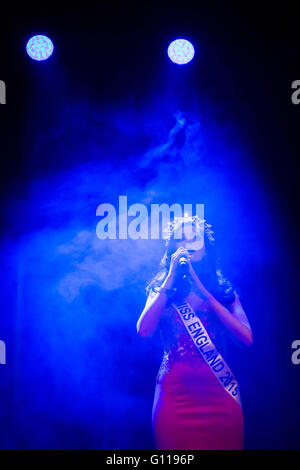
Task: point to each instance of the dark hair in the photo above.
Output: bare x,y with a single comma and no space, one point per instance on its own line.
208,269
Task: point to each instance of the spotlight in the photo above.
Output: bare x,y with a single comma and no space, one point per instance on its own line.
39,47
181,51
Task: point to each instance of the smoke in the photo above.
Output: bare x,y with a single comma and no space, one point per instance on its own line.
83,375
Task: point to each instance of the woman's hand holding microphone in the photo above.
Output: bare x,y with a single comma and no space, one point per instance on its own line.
181,256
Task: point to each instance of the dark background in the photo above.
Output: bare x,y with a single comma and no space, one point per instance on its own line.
110,55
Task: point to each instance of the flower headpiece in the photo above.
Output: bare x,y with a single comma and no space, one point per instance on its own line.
200,224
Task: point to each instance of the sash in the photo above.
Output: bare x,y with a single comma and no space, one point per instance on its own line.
208,350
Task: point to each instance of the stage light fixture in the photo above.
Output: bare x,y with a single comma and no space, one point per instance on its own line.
181,51
39,47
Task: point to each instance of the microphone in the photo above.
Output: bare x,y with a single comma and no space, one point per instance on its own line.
183,265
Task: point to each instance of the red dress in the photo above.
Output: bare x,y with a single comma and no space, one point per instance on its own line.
191,409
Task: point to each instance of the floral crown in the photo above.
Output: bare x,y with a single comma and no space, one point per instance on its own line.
201,224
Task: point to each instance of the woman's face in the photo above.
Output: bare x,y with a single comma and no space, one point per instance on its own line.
193,241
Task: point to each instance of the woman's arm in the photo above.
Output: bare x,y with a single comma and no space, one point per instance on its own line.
155,305
234,318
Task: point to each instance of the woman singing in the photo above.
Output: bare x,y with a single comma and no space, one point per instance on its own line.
197,402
